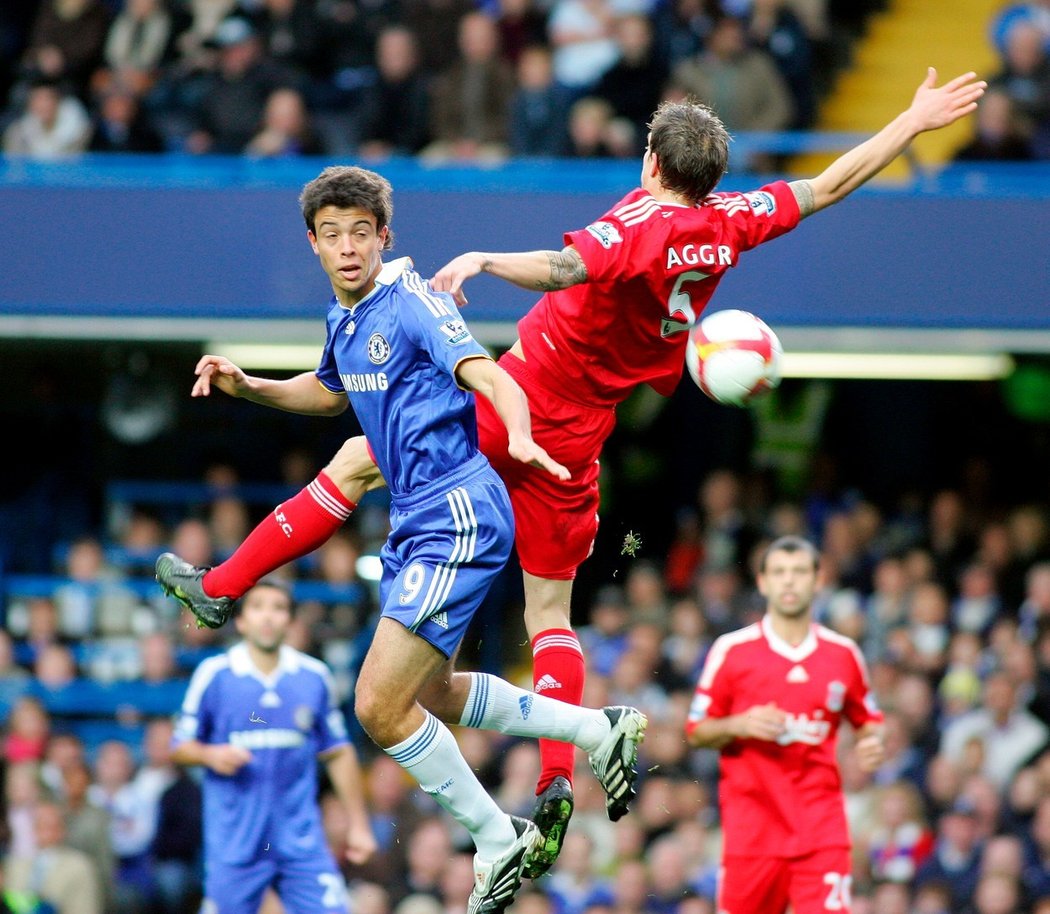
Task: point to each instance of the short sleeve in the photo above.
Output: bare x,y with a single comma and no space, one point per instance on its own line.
196,720
433,323
759,215
608,245
713,695
860,707
327,372
329,724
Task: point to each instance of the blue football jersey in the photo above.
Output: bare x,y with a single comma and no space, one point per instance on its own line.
395,355
285,720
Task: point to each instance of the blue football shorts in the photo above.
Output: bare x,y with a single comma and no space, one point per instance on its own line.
311,885
448,543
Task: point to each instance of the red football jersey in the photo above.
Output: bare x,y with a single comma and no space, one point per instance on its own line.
784,798
652,268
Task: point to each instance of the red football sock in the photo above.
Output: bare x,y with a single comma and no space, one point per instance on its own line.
558,672
293,529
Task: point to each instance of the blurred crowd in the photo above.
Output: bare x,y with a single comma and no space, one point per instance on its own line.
948,596
1013,119
464,80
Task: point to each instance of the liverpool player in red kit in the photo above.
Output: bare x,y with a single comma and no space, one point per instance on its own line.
620,298
771,697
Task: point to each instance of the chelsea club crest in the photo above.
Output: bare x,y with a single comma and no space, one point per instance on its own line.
378,349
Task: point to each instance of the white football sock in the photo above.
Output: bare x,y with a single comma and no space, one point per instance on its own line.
495,704
432,757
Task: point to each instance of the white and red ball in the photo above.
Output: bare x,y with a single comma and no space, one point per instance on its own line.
733,356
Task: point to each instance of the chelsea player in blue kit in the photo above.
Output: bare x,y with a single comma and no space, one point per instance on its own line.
402,356
257,717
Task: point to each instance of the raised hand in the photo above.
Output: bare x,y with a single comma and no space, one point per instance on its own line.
934,107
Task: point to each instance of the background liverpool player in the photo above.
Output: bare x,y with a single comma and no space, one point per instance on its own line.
771,697
619,300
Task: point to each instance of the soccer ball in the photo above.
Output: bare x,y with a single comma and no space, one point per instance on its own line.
733,357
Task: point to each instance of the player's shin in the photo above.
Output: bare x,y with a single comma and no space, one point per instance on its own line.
494,704
293,529
558,672
431,755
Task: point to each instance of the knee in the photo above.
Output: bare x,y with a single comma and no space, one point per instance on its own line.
376,712
352,469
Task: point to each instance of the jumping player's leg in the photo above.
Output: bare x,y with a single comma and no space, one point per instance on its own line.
299,525
397,665
393,674
293,529
555,525
610,736
558,669
443,553
555,528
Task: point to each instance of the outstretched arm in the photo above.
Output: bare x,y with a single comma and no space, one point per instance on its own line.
538,271
302,394
491,381
931,109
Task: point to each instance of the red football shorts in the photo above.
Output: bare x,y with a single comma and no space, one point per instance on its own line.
555,522
815,883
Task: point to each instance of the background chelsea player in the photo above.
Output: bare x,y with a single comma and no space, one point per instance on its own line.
405,360
257,718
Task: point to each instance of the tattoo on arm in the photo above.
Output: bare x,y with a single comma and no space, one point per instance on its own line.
803,192
567,269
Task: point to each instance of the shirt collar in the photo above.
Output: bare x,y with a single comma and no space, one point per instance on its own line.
241,663
794,653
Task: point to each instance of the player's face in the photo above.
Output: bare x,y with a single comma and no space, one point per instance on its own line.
351,250
264,618
789,583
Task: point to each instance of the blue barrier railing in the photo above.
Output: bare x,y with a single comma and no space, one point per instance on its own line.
918,237
107,170
90,698
182,492
161,492
21,585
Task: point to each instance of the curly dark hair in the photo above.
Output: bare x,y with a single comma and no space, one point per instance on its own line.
350,187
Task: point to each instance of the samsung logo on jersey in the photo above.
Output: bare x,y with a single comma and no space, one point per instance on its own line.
360,383
274,738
